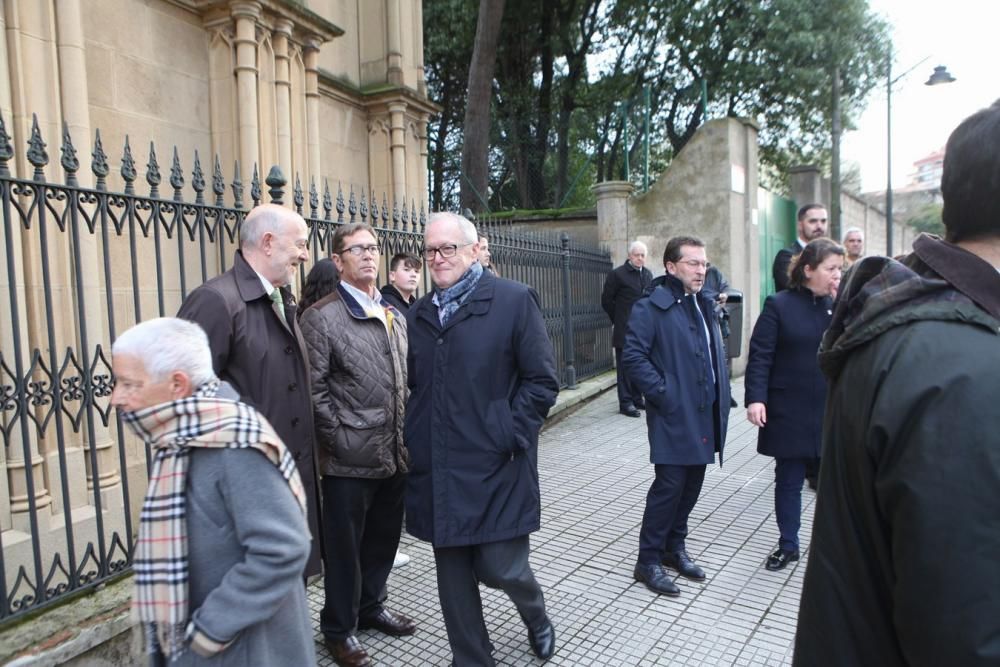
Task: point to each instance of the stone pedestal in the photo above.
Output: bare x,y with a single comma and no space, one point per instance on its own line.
613,217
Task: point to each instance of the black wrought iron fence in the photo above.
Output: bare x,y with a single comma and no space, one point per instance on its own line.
81,264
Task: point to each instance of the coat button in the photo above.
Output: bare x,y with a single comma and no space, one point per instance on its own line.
295,421
292,386
288,349
440,341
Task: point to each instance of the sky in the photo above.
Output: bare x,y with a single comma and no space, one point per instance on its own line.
959,34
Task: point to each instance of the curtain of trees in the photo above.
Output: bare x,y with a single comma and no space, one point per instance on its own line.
571,76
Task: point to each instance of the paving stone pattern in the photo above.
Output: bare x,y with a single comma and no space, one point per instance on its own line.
595,472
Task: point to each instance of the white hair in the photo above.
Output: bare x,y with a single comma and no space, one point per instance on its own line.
635,245
261,220
851,230
168,344
469,233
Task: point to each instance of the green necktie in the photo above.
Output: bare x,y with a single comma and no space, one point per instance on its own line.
279,304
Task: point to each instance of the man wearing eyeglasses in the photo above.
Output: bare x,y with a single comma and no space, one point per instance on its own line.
357,355
482,379
248,313
674,355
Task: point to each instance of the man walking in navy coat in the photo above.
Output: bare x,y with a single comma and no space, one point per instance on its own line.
482,378
674,355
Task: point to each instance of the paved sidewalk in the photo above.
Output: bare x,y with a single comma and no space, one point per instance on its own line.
595,471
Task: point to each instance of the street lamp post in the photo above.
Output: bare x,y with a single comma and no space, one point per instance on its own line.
940,76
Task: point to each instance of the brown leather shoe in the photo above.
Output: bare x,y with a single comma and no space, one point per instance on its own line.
348,652
389,622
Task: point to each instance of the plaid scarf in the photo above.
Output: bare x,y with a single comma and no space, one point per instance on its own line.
161,557
450,299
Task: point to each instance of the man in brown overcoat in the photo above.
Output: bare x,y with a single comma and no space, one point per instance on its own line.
248,313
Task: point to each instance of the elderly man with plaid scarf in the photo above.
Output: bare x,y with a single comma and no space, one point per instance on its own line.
223,539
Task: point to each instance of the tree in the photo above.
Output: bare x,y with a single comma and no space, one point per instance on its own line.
571,76
927,218
477,110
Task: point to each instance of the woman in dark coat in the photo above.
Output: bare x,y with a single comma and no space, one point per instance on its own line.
785,390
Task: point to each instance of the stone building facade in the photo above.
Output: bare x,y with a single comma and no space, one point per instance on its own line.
332,91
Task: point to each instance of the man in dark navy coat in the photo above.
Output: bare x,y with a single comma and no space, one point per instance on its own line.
622,288
482,378
674,355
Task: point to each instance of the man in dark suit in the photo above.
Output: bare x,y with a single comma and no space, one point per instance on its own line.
482,378
674,355
248,313
623,287
812,221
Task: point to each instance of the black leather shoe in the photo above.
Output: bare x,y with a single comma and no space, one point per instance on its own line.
390,623
812,482
780,559
630,411
348,652
543,640
686,567
656,579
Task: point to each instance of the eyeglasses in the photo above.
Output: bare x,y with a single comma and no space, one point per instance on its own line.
358,250
446,251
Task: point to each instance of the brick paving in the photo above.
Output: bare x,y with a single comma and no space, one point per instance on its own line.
595,471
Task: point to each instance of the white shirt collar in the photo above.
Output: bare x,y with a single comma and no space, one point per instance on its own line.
268,287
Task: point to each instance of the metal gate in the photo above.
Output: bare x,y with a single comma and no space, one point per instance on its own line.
777,231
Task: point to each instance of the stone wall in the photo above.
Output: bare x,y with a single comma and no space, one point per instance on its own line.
709,191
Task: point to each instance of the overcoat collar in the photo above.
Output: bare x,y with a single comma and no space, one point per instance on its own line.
478,303
672,292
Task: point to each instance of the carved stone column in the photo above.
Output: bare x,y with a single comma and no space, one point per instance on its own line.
283,93
394,57
310,56
421,187
397,138
246,15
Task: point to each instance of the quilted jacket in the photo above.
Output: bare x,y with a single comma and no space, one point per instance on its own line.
358,378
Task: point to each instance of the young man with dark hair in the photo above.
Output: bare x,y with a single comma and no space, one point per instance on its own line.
404,279
903,566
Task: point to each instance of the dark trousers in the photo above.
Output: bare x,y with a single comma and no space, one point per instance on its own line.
362,519
788,477
500,565
628,395
671,498
812,469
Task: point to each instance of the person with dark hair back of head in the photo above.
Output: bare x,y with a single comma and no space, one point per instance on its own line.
903,565
322,279
785,391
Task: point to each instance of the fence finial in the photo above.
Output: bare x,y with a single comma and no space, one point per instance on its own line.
255,186
275,184
177,177
237,186
36,149
313,198
70,163
153,173
99,162
328,200
198,180
297,197
6,150
128,168
218,183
